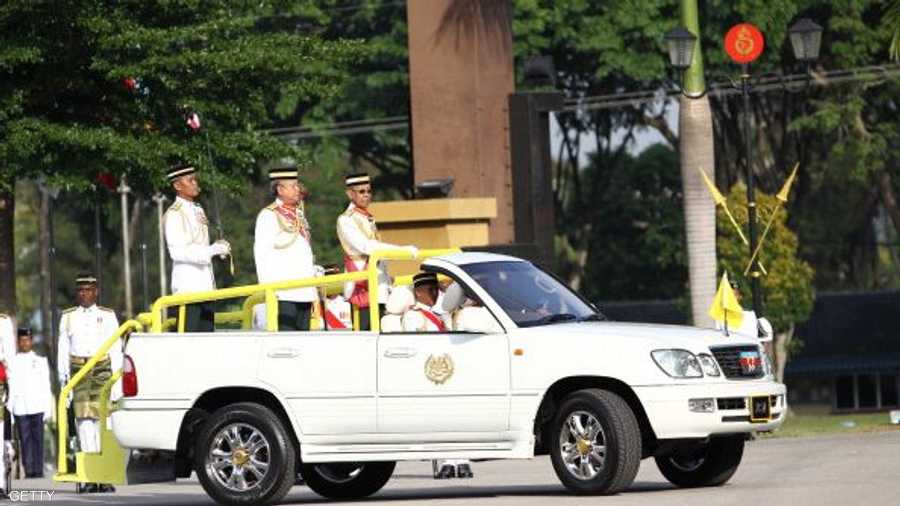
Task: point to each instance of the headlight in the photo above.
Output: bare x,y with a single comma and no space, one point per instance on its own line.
709,365
677,363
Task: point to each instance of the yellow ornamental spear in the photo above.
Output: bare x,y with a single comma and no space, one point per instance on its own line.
719,199
782,197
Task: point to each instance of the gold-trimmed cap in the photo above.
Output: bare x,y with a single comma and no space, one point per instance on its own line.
86,279
280,174
424,278
178,170
357,179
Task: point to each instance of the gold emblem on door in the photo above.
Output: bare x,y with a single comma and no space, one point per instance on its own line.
439,369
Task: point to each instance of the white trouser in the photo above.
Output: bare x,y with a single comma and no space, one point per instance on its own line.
89,435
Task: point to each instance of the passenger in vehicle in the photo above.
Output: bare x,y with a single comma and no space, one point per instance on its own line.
399,302
421,317
467,314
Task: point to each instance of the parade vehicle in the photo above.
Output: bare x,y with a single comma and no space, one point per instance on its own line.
248,409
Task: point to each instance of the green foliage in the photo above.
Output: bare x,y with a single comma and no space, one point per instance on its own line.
787,290
68,115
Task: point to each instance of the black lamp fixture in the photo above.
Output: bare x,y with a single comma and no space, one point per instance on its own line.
806,39
434,188
539,71
681,44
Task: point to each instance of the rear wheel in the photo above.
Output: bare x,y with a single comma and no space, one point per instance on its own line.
347,480
244,456
706,464
595,443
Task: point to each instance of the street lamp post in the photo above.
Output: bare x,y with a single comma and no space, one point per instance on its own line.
806,38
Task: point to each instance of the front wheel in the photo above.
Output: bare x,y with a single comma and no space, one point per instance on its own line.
595,443
706,464
347,480
244,456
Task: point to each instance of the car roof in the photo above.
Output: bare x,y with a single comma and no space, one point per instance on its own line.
474,257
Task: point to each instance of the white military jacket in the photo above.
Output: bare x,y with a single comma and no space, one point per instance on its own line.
414,320
7,339
187,238
82,331
282,250
29,385
358,234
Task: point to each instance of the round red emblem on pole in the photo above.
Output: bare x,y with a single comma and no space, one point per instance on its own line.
744,43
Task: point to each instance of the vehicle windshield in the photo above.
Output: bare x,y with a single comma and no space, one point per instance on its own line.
529,295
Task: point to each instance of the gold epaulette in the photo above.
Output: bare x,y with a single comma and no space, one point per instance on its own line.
69,310
175,207
272,206
104,308
4,315
348,212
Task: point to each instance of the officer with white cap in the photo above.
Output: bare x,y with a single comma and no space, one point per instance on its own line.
358,235
187,238
282,248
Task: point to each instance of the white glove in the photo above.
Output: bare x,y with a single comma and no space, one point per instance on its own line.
62,381
320,271
220,247
412,249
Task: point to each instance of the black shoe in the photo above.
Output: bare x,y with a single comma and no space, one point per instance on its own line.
90,488
464,471
3,494
446,471
105,488
298,480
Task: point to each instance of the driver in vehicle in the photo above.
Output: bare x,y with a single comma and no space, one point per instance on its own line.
467,314
422,317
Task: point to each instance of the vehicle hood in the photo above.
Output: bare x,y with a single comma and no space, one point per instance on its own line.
655,336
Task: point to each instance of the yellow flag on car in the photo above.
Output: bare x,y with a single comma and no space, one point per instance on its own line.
725,307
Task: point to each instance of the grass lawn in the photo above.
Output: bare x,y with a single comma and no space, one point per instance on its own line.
810,422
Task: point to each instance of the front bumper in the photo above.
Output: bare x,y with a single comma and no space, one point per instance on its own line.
667,408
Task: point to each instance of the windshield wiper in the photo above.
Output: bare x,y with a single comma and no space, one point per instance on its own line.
594,317
550,318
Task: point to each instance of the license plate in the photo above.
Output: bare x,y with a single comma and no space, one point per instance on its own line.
760,409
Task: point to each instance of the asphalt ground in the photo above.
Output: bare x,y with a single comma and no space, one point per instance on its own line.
827,470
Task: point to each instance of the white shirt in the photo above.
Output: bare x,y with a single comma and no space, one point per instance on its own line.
7,339
359,238
187,238
29,385
82,331
415,320
283,253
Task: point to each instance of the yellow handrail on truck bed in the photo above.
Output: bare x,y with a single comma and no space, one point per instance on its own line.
108,465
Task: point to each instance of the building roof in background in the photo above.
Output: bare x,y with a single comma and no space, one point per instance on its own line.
852,323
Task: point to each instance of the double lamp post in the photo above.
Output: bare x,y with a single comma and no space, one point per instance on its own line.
744,44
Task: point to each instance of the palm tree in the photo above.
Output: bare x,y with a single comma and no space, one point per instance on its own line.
695,146
892,19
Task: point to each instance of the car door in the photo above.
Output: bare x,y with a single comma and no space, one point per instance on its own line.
430,383
328,378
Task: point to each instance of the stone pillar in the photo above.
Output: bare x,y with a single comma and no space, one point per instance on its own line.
461,76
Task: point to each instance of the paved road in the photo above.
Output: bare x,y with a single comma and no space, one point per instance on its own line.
823,471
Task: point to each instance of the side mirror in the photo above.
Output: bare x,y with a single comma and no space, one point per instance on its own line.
766,334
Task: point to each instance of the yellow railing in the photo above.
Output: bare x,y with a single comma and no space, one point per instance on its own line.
62,408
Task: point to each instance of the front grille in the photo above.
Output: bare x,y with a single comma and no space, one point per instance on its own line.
728,358
731,403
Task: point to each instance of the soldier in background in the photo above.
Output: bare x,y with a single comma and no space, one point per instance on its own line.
422,316
187,238
358,234
30,402
282,249
82,331
7,351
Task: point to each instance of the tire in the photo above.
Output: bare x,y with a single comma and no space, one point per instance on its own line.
245,436
347,480
707,464
583,464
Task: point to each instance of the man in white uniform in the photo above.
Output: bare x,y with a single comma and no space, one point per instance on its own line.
7,351
358,234
30,402
82,331
465,314
282,249
422,317
187,238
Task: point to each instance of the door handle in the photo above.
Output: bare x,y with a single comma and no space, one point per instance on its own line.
400,352
284,353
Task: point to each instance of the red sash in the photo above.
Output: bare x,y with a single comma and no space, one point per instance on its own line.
434,319
290,214
360,297
2,373
332,322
